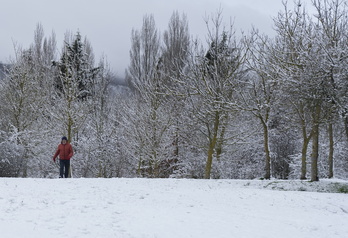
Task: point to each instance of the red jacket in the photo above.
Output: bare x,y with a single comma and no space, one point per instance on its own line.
64,151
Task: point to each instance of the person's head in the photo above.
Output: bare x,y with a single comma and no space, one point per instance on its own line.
64,140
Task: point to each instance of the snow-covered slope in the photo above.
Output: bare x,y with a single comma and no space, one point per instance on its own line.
161,208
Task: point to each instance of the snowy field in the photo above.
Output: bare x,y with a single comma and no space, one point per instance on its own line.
166,208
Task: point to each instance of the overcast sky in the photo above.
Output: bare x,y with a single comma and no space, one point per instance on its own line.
107,24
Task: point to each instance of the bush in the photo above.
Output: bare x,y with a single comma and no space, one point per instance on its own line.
11,159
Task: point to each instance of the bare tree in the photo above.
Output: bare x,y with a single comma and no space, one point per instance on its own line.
259,94
151,118
292,48
302,53
211,82
175,52
333,27
25,96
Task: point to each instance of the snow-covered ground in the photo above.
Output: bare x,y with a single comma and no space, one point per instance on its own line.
165,208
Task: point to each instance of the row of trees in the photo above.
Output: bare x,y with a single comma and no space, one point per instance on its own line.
232,107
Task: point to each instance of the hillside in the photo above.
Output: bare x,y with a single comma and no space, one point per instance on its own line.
165,208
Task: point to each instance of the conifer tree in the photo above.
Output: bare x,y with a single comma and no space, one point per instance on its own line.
74,84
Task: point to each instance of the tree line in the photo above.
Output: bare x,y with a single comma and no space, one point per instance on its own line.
239,106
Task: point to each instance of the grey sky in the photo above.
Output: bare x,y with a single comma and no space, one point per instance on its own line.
107,24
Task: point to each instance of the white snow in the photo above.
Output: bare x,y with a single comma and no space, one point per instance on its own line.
165,208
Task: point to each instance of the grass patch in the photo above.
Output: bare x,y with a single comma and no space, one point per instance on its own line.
341,188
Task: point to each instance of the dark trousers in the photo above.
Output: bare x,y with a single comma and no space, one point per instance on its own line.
64,168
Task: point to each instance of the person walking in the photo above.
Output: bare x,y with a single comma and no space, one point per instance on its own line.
65,152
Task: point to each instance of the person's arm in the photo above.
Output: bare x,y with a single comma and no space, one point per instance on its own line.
56,154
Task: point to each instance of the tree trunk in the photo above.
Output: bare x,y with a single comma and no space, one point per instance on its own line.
331,151
212,144
70,120
315,144
70,171
70,125
220,141
209,160
315,155
346,125
306,140
304,158
267,151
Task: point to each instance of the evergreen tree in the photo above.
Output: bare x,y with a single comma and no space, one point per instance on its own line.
74,81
